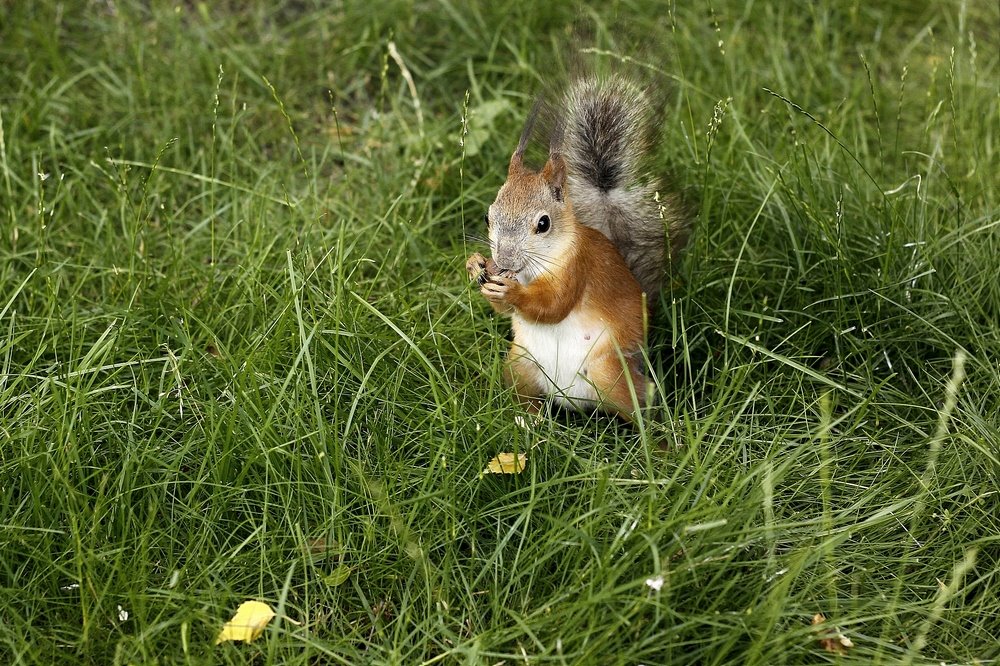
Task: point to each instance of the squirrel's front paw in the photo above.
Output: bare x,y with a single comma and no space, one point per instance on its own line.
498,289
475,266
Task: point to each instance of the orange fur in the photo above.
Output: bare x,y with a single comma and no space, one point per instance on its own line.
596,283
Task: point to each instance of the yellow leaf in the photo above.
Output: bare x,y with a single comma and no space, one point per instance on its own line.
248,623
507,463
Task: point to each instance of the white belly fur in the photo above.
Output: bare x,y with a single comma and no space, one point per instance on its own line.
561,352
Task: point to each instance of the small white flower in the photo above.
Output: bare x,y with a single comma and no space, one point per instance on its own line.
655,584
122,614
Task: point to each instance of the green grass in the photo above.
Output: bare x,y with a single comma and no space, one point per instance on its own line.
239,351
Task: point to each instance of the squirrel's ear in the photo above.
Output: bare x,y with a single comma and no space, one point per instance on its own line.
516,164
554,174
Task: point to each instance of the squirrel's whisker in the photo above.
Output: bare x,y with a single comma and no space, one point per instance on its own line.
540,267
544,261
477,238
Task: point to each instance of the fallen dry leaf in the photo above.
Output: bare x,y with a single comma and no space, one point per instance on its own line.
837,644
507,463
248,623
322,546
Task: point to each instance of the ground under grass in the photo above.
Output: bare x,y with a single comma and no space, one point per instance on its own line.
239,358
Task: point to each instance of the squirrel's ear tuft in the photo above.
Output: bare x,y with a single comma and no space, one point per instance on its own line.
554,173
517,159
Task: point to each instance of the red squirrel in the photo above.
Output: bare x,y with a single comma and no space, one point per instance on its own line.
578,247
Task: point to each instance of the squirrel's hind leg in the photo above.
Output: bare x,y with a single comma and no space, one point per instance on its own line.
523,375
611,379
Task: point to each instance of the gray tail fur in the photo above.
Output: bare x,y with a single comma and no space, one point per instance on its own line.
607,134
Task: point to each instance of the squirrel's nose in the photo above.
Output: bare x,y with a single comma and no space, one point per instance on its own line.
504,257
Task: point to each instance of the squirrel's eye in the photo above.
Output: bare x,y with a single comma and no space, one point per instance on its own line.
543,224
486,217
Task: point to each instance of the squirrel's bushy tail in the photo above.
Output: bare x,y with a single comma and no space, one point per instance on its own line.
606,135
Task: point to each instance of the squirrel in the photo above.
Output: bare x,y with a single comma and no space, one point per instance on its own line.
578,247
